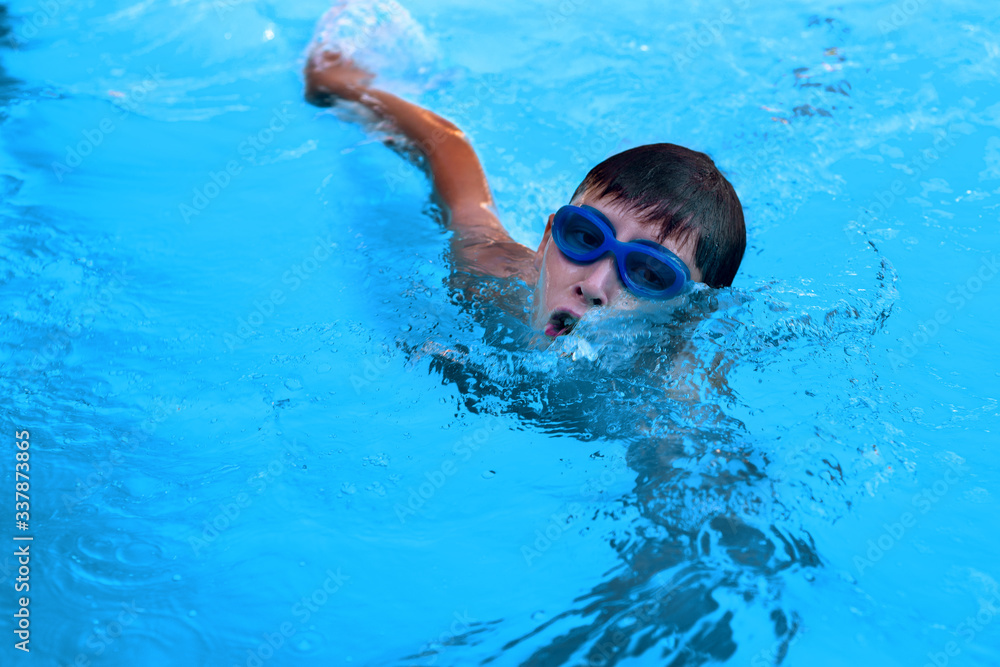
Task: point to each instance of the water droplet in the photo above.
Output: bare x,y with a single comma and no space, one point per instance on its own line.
489,474
292,384
379,459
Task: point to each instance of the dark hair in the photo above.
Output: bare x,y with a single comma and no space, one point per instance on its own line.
682,192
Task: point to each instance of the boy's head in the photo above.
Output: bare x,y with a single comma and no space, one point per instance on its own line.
680,194
664,193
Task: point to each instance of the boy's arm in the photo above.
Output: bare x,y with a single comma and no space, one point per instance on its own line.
480,241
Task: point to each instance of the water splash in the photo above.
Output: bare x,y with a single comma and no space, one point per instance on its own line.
381,36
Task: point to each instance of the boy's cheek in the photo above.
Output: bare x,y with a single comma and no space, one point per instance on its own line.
557,272
539,300
543,248
549,277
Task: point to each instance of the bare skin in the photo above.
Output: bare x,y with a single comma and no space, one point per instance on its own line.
563,291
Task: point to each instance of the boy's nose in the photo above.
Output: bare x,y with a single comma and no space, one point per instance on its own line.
600,284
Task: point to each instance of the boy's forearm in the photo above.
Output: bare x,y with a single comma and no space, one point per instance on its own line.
454,166
458,177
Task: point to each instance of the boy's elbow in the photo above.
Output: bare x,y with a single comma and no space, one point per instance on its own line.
444,129
448,132
446,142
439,130
453,129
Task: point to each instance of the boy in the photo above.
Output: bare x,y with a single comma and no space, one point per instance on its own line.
649,221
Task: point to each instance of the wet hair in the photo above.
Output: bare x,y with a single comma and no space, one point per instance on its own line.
683,193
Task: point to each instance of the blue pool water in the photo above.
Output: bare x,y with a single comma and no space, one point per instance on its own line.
266,429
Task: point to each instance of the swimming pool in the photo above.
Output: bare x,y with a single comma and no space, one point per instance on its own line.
265,429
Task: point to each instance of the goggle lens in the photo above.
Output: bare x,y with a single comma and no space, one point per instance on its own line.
581,236
649,273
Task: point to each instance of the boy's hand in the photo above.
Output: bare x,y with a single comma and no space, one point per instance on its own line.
330,76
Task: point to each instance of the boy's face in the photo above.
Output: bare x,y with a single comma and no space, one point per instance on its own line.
565,291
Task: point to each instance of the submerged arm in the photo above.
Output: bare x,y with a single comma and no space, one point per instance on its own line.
480,240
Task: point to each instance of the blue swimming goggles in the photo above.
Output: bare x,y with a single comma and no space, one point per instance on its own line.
584,235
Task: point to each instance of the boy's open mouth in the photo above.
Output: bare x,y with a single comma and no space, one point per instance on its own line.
561,323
